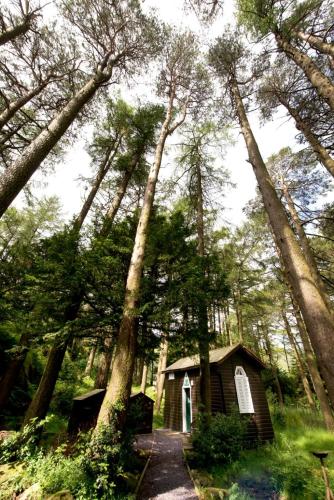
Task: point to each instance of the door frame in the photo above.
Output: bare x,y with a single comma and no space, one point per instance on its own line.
184,399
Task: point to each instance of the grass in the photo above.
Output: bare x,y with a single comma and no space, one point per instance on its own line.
286,465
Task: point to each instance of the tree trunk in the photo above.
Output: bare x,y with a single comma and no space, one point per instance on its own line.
121,190
13,369
316,42
40,403
14,32
119,389
318,318
90,361
321,152
144,379
304,243
320,82
18,174
101,173
102,376
15,106
203,344
273,367
314,371
160,373
299,362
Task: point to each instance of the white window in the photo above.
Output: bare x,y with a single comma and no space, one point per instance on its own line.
171,376
244,395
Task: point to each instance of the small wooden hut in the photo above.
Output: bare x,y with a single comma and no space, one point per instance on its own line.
86,408
235,380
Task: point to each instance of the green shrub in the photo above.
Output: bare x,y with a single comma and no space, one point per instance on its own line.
221,441
23,444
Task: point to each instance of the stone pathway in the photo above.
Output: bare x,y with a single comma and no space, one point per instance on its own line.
166,477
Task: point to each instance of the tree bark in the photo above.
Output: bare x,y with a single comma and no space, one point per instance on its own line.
317,317
316,42
273,367
203,344
102,376
15,106
299,362
304,243
320,82
18,174
119,389
313,369
13,369
101,173
144,379
321,152
12,33
90,361
121,190
160,372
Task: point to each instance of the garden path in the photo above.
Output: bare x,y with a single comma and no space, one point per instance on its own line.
166,477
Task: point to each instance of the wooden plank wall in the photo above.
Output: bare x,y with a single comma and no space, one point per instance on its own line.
261,426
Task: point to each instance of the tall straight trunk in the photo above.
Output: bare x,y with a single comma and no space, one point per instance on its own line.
323,156
101,173
160,372
15,106
314,370
316,42
273,367
102,376
18,174
299,362
13,370
227,323
119,389
317,317
120,192
320,82
238,314
203,343
304,243
40,403
90,360
144,379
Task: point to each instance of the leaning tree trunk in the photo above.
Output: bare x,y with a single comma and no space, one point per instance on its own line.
144,379
203,343
314,371
323,156
299,362
316,42
13,370
40,403
119,389
304,243
15,106
101,173
18,30
161,372
102,376
121,190
18,174
317,317
320,82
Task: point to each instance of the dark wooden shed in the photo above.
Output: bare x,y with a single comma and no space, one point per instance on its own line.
86,408
235,380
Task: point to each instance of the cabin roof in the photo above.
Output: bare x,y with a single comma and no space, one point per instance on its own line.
216,356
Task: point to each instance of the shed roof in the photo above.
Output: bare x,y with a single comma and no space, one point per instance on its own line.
216,356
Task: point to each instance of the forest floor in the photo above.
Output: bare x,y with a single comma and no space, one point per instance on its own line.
166,477
284,468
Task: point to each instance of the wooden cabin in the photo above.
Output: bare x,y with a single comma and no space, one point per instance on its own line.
235,380
85,410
